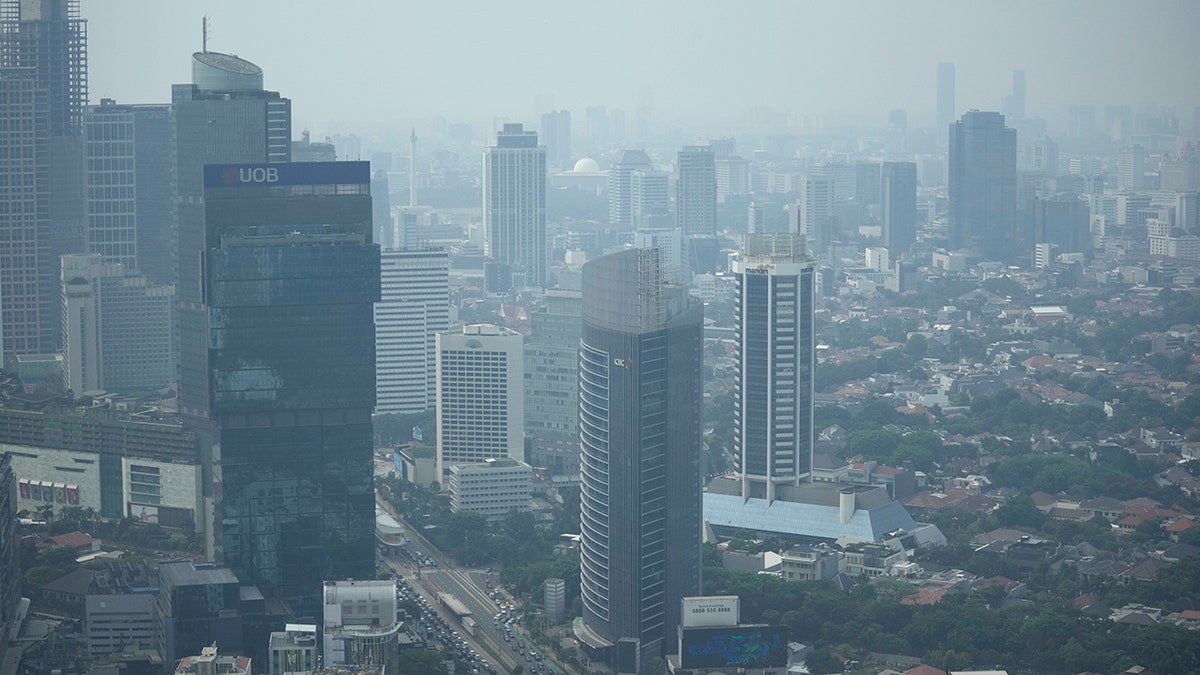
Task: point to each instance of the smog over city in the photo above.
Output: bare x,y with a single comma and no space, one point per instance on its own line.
646,338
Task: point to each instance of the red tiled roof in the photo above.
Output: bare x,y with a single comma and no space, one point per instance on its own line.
1181,525
925,596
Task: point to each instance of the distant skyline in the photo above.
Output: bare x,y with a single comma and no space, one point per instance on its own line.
367,64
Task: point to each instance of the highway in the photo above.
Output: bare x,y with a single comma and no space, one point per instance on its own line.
469,586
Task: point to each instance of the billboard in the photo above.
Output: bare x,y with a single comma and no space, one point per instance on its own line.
710,610
756,646
143,513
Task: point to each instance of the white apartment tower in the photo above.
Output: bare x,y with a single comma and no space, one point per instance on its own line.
480,396
812,215
414,307
514,204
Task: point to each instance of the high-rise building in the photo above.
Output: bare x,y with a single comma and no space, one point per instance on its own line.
733,176
552,383
556,134
844,177
898,201
946,111
1013,105
1082,120
381,211
597,125
414,306
514,204
291,277
866,184
812,215
640,387
773,423
480,396
1131,168
620,186
223,117
983,186
672,251
696,191
130,186
43,58
25,307
1181,174
649,198
116,327
1064,221
1040,155
305,150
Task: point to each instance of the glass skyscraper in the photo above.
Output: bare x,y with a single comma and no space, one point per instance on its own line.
43,90
983,186
223,117
898,202
773,411
291,278
640,394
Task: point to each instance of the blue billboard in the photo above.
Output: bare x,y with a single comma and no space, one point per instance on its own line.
291,173
757,646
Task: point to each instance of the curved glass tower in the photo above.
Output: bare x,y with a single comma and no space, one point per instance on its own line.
640,392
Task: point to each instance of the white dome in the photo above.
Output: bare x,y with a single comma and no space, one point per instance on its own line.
586,165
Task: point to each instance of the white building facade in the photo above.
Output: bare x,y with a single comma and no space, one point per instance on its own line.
480,396
492,488
414,307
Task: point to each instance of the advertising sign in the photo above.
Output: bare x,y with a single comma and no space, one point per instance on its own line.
733,647
297,173
710,610
143,513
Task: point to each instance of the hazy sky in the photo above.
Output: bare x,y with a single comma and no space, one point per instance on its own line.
347,61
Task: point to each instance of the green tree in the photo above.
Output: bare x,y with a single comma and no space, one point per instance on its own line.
420,662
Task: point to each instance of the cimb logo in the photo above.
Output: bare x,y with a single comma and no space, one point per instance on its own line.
258,174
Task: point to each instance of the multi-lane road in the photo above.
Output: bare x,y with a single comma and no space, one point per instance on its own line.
500,643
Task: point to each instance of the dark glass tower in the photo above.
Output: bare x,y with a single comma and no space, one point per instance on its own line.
640,392
983,186
898,199
43,55
291,276
223,117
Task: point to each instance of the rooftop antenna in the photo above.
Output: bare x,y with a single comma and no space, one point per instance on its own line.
204,38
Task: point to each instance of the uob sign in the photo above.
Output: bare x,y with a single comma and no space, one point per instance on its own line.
258,174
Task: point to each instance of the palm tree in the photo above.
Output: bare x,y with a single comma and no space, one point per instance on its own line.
46,511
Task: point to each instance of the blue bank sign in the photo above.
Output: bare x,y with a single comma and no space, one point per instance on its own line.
297,173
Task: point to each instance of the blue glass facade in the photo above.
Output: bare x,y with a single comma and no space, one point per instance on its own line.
290,278
640,394
773,439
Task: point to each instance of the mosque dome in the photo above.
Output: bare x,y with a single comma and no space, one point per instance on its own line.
586,165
